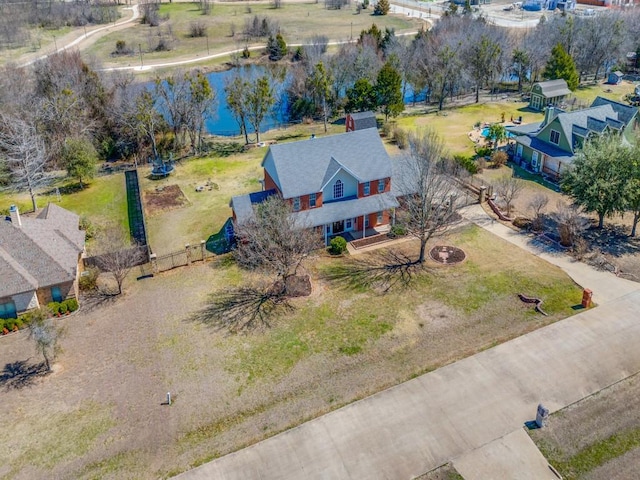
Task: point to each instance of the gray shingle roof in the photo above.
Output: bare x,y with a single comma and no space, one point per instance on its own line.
301,167
554,88
44,250
336,211
363,120
594,119
626,113
544,147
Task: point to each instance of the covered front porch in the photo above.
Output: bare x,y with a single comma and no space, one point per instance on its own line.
359,228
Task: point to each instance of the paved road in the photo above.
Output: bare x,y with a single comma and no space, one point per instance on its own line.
456,411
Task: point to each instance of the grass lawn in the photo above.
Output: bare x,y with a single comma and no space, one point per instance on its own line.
103,201
597,438
338,345
587,93
298,22
454,124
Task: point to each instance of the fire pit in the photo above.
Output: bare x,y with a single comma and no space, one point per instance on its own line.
447,254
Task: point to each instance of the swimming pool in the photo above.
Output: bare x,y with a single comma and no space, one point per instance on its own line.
485,133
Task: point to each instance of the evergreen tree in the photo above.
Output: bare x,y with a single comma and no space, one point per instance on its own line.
382,7
561,65
388,91
79,157
361,97
276,47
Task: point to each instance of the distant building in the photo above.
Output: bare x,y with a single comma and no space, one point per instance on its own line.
551,92
360,120
614,78
549,147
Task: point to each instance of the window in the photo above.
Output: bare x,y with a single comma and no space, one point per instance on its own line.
555,137
296,204
56,294
366,221
338,189
348,227
312,200
380,217
367,188
380,186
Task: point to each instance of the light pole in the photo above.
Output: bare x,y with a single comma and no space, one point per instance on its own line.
351,37
207,45
140,50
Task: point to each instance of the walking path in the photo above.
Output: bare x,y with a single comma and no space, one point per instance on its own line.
470,411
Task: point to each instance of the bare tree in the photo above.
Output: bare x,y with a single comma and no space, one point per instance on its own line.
276,241
537,205
45,335
426,183
509,189
115,254
24,154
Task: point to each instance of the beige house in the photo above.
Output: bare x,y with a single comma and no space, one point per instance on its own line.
39,259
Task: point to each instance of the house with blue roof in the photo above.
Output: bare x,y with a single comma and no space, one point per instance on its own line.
548,147
340,184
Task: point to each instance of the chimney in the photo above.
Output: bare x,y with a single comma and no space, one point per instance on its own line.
549,114
15,216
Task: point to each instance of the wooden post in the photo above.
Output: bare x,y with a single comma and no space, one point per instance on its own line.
203,249
187,248
154,263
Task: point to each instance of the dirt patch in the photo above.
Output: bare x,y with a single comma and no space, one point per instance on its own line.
163,199
445,472
582,426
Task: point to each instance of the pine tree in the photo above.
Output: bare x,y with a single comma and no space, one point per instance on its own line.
561,65
382,7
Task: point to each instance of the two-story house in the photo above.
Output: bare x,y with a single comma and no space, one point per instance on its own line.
340,183
548,147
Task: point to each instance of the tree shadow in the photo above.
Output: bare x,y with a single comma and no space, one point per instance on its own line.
612,240
96,299
243,309
382,271
21,374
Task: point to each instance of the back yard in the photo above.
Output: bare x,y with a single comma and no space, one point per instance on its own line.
104,413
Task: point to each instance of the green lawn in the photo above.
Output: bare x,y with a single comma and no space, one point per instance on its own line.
298,22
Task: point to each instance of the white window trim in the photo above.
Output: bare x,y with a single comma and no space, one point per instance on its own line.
381,186
315,200
296,204
366,189
335,189
551,137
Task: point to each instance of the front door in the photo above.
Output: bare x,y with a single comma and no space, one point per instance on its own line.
338,227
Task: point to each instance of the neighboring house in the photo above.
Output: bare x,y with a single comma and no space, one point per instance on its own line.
39,259
551,92
340,183
360,121
614,78
548,147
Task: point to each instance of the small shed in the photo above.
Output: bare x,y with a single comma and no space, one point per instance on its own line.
360,121
551,92
614,78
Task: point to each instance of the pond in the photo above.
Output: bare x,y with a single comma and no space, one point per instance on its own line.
222,121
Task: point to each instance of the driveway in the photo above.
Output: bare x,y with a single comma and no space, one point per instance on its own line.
452,412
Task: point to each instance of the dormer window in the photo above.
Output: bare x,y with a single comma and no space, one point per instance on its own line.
367,188
338,189
312,200
554,137
296,204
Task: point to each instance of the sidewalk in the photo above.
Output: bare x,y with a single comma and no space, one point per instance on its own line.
470,411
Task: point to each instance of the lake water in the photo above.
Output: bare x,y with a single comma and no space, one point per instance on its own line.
222,121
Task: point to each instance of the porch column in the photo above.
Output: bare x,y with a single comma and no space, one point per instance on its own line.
326,237
363,226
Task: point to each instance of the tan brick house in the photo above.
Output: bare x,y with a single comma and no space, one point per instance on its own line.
39,259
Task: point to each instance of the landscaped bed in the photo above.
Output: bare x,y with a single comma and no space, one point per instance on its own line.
105,416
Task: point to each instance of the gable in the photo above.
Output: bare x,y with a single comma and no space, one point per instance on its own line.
349,186
304,167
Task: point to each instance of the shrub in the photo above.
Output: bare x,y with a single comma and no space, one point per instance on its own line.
72,304
337,246
88,279
397,231
63,308
9,323
246,53
53,307
197,29
467,163
122,48
387,129
401,137
521,222
499,158
483,151
88,227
